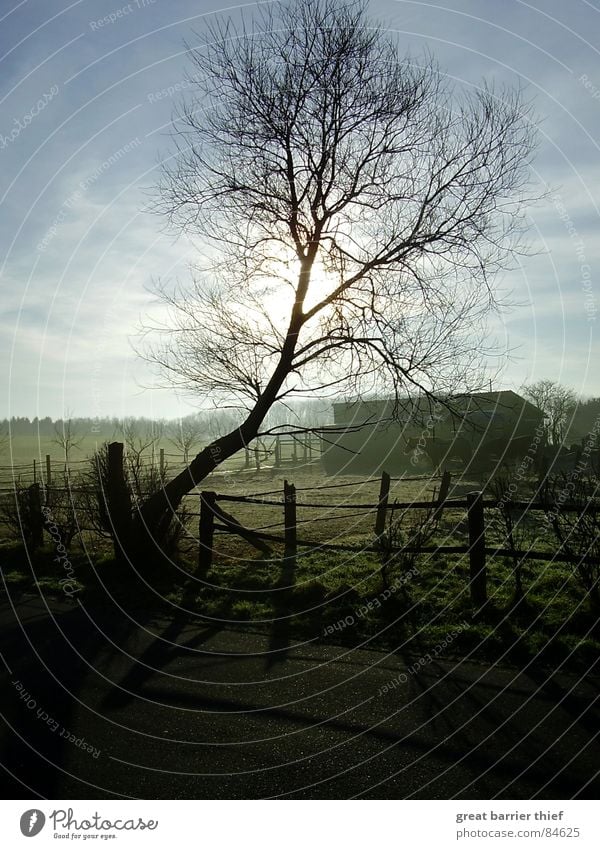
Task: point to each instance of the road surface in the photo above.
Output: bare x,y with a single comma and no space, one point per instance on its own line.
103,704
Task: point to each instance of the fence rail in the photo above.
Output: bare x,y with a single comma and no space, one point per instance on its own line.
280,451
474,505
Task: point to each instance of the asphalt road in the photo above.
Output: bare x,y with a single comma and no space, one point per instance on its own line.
101,704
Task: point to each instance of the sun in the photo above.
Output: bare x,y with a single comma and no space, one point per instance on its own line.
279,281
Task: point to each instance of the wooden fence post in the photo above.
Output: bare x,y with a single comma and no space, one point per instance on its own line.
48,470
443,495
34,472
384,493
277,452
118,498
289,516
478,572
206,531
35,516
162,463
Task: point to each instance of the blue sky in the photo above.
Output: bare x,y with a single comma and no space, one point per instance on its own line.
84,122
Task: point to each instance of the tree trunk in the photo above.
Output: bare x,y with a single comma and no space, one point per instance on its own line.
151,521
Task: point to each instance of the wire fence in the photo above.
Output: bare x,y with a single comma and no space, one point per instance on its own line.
363,524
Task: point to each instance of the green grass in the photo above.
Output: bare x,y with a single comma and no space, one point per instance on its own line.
25,449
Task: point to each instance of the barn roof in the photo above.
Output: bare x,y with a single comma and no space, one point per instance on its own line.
400,409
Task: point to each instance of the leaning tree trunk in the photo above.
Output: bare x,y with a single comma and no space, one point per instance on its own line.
151,520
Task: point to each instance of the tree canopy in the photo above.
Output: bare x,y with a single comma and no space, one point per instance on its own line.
355,208
352,207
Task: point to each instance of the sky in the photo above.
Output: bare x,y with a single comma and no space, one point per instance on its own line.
87,93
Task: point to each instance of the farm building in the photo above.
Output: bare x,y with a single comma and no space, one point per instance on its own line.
368,436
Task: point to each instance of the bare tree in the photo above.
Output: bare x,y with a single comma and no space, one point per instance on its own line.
557,402
356,209
186,433
67,436
141,443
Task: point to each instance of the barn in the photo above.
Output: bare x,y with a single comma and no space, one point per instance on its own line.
375,434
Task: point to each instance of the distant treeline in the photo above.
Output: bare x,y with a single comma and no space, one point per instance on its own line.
210,423
47,427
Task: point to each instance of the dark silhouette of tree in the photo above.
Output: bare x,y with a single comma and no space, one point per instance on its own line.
356,208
